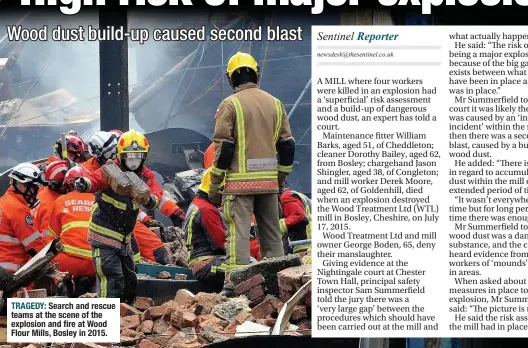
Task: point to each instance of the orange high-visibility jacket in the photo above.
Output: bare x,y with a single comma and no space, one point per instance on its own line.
91,165
42,212
17,232
69,221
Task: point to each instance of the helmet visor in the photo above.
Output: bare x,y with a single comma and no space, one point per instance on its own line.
134,155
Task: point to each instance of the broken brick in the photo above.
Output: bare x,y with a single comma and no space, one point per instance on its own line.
255,293
143,303
184,298
209,300
263,309
146,326
291,279
127,341
172,331
210,320
164,275
160,340
230,329
154,313
270,322
127,310
38,293
128,333
242,317
89,295
262,322
130,322
148,344
248,284
86,345
182,319
299,312
168,313
180,277
285,295
160,326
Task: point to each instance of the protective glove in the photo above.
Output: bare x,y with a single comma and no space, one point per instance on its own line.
177,219
81,185
151,203
215,195
153,223
282,182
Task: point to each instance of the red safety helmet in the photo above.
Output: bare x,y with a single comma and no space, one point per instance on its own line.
116,132
76,147
73,174
55,173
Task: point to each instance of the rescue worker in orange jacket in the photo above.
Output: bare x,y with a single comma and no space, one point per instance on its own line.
69,221
54,176
114,218
76,149
19,240
254,153
296,223
102,146
205,235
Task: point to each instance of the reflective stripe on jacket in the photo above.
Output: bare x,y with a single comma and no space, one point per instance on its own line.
297,221
114,216
204,232
17,232
255,122
69,221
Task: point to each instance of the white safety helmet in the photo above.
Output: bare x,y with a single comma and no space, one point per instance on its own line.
26,173
102,145
30,177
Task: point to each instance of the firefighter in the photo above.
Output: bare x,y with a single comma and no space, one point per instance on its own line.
69,221
167,206
205,235
54,176
254,152
296,223
19,240
102,146
76,148
254,246
114,217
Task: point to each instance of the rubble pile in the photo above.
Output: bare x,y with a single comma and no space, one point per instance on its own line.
175,238
193,320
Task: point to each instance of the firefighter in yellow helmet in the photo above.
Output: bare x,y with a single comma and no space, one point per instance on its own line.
114,217
254,152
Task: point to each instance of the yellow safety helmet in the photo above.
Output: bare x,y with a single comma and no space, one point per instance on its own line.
132,146
206,181
241,60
